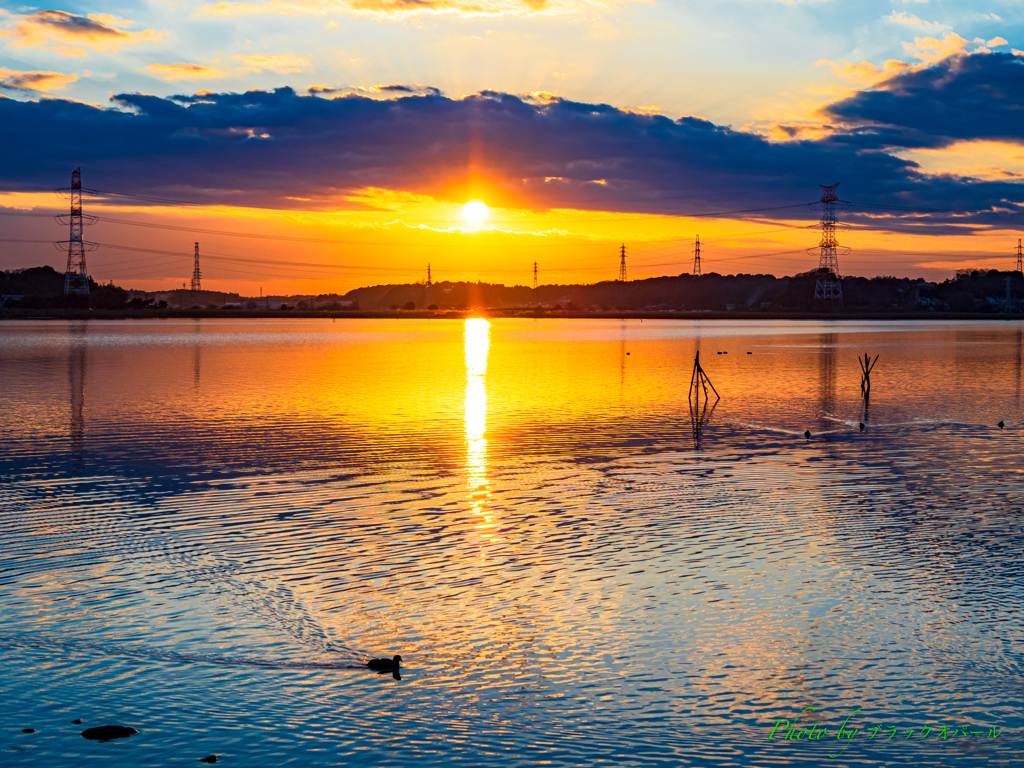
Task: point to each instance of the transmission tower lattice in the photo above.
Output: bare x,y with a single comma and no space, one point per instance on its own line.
696,257
197,285
1019,256
827,289
622,264
429,283
76,277
535,275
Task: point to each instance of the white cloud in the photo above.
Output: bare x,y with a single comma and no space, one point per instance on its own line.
911,20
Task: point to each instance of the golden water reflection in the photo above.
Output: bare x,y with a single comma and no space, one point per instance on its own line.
477,344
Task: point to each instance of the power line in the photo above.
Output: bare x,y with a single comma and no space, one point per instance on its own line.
560,266
876,206
329,241
902,208
168,201
145,198
306,266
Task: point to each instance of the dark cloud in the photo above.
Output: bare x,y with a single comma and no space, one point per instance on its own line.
969,97
44,27
264,147
75,26
24,82
409,89
391,89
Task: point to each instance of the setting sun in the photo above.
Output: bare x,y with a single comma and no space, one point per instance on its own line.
474,211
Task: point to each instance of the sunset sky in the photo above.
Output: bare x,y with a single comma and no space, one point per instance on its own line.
320,145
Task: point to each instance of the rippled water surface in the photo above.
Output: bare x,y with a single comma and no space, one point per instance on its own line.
205,525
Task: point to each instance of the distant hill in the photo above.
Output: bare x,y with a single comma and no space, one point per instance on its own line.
977,291
39,287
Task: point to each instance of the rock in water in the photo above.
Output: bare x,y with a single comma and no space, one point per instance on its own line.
108,732
77,722
208,759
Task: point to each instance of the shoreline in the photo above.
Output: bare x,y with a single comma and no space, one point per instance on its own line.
638,314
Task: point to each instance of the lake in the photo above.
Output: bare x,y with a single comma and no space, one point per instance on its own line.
207,526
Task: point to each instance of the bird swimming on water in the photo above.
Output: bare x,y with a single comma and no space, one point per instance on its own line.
385,665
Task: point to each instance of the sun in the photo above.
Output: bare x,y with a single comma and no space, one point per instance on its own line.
475,211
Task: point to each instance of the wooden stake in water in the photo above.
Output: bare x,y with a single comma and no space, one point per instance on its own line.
699,383
866,366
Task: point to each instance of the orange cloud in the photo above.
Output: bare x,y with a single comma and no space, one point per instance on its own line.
931,49
404,8
67,32
170,72
865,74
34,81
988,160
281,63
799,115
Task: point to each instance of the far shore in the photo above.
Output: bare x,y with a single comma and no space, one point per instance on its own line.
526,313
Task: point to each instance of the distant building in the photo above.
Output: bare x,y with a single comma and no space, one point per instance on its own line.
924,294
182,298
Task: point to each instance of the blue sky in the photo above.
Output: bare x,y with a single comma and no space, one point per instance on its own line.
735,63
641,108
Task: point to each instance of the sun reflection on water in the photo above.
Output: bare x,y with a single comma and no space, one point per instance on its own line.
477,336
